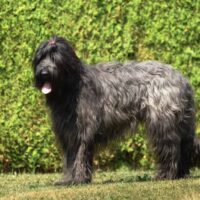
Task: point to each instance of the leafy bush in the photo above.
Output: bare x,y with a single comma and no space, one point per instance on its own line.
107,30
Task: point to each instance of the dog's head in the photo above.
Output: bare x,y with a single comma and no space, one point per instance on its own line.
55,65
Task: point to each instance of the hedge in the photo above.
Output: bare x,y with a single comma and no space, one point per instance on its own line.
168,31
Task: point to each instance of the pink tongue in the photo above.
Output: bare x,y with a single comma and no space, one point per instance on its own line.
46,88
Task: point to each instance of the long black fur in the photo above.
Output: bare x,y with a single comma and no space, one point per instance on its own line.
92,105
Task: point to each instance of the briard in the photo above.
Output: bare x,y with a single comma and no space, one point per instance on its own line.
93,105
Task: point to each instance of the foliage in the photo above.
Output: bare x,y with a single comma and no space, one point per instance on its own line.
107,30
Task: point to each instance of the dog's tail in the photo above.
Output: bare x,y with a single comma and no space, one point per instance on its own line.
196,152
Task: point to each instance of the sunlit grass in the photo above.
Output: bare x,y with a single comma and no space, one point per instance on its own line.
105,185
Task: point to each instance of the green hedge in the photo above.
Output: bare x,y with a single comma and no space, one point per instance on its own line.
106,30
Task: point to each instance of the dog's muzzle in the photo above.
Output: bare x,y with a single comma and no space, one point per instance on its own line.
45,76
44,73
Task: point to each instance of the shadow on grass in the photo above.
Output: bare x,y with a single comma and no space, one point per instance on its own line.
126,179
129,179
140,178
193,177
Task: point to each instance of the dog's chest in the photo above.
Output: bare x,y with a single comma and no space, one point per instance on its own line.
64,123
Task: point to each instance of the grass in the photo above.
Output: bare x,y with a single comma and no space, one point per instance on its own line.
105,186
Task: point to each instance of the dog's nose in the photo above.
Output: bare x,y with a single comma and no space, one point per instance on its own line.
44,72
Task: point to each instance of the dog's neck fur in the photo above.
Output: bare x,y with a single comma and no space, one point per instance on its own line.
70,87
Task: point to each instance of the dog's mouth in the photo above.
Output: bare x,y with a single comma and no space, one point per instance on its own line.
46,88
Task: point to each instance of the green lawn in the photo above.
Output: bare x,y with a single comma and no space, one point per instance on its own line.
105,186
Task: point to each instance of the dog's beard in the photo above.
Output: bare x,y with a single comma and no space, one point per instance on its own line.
44,83
46,88
45,80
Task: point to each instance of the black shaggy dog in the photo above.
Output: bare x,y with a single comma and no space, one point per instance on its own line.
90,106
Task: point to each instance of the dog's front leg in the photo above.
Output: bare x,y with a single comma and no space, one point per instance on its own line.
82,171
77,165
68,163
88,122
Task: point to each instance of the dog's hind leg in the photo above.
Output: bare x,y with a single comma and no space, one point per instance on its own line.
166,144
190,145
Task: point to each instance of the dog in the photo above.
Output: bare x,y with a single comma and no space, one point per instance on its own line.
92,105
